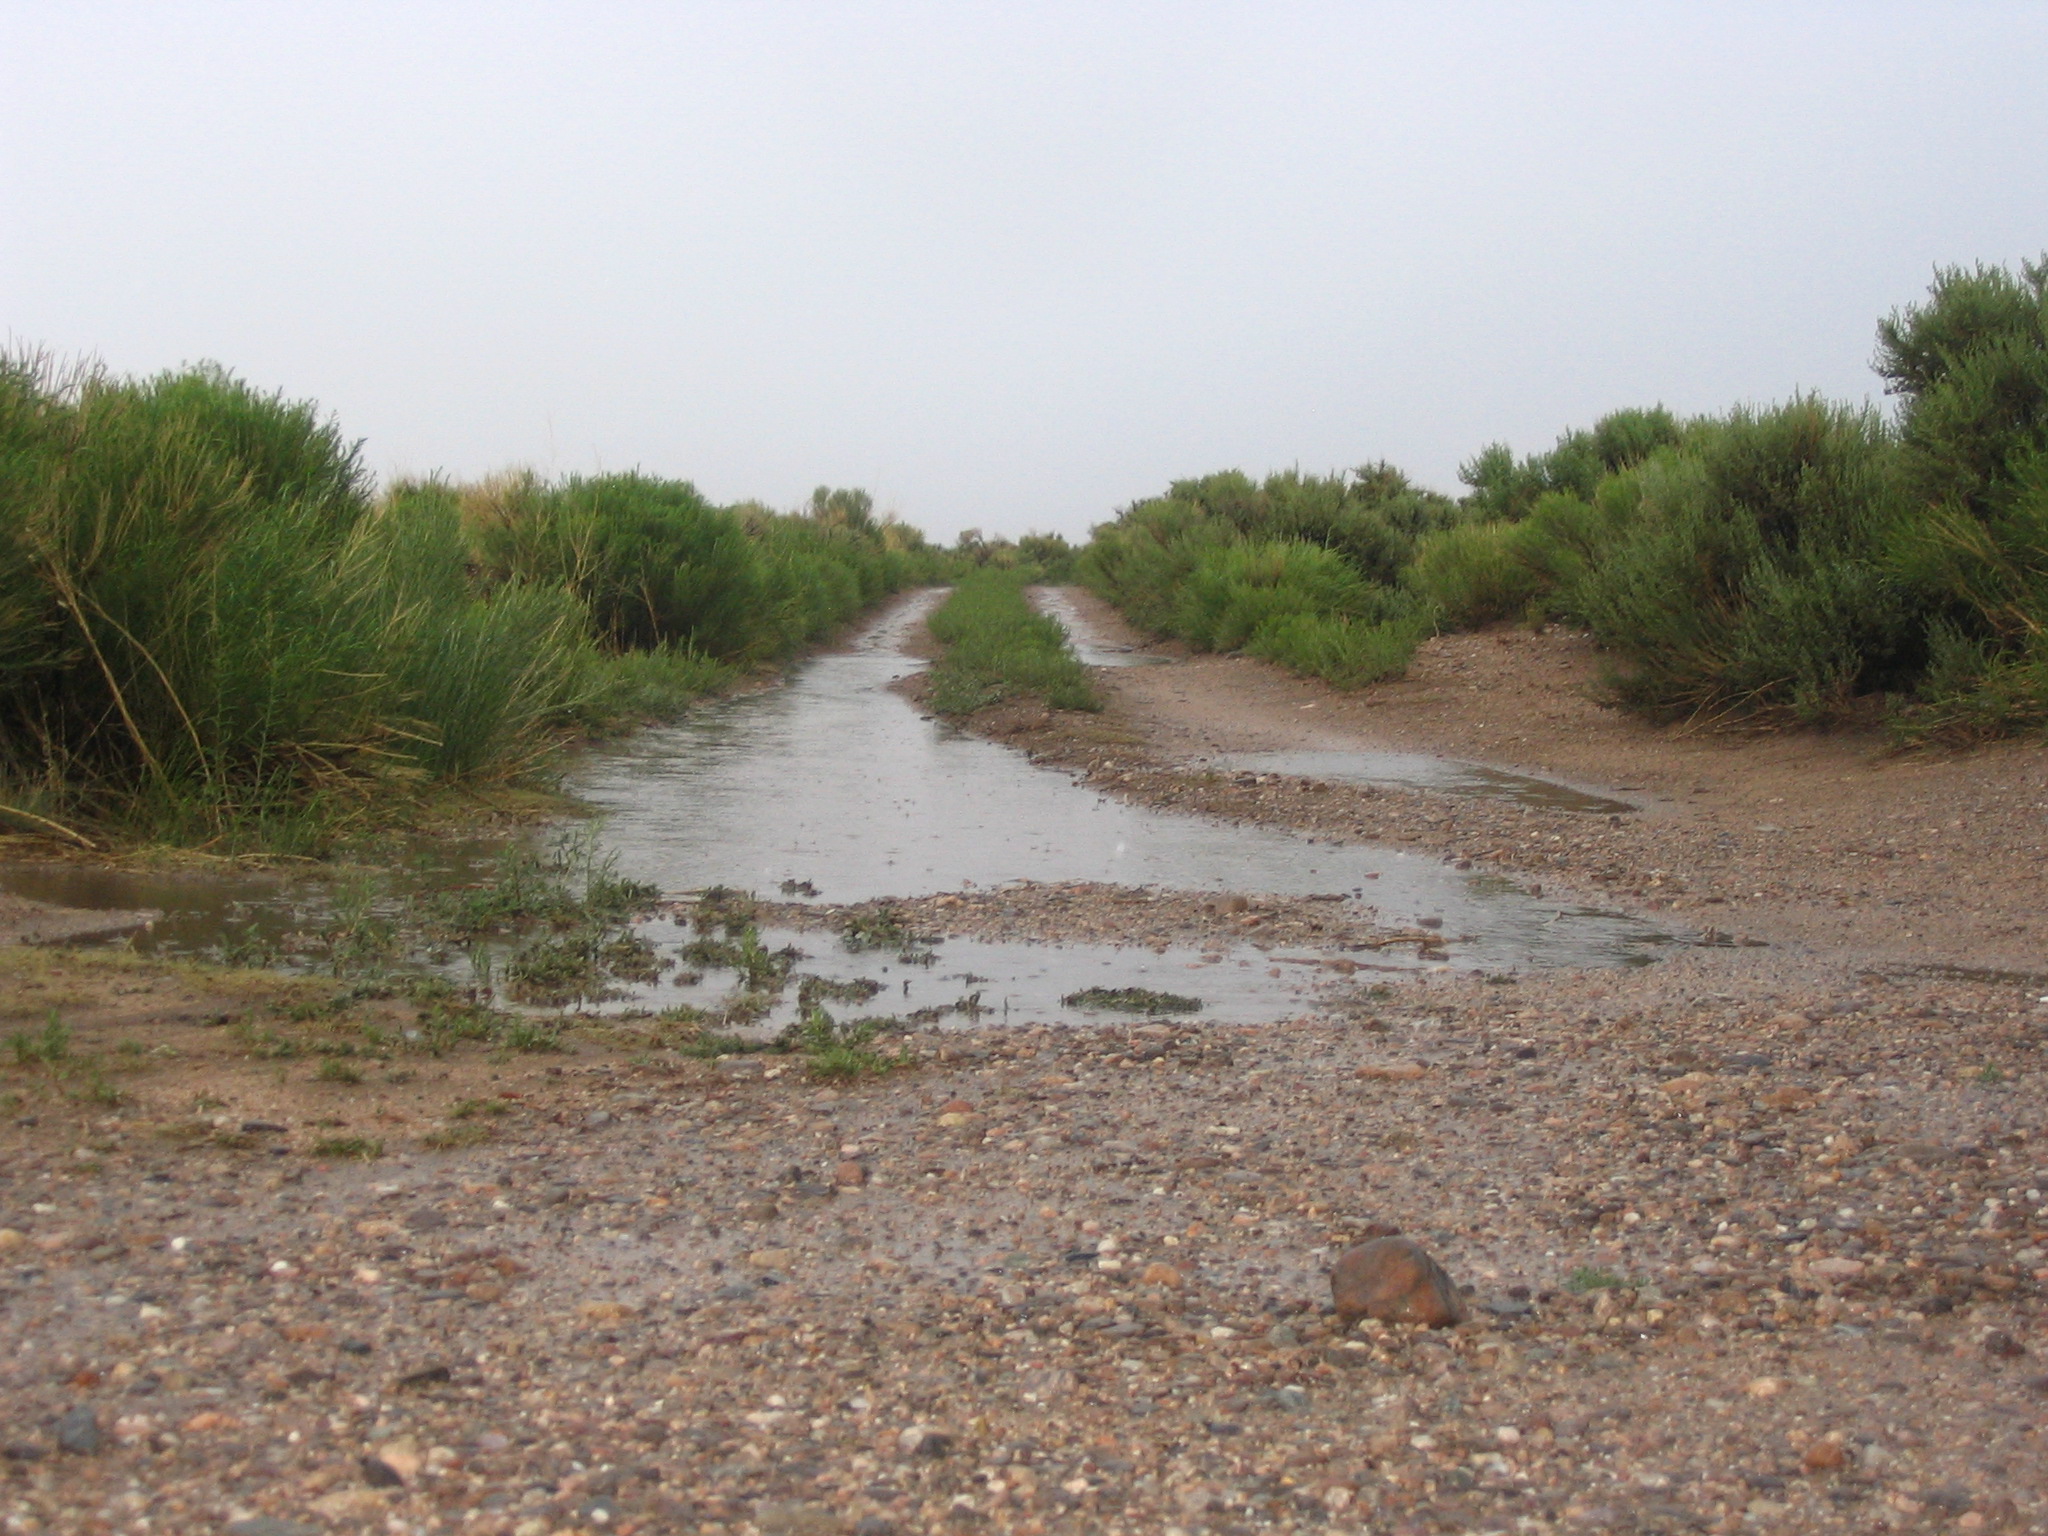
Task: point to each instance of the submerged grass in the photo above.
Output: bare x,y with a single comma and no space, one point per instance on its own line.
999,647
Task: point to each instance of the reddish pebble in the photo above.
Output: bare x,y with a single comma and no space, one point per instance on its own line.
1396,1281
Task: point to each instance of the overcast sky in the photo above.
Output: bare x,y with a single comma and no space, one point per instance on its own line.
1004,265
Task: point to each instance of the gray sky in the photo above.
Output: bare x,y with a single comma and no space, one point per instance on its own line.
1004,265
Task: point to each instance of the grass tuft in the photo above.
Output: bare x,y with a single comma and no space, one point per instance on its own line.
999,647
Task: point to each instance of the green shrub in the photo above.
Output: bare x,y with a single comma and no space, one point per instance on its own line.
1749,579
1475,573
1300,570
1972,367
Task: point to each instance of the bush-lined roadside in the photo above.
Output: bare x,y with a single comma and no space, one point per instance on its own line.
213,632
1807,561
998,647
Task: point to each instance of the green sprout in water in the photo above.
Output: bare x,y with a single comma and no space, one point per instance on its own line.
1132,1000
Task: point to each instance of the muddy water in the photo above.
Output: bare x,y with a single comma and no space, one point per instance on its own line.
1418,770
1094,648
835,781
971,980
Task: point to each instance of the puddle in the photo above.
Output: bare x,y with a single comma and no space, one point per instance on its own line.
241,915
835,780
1093,650
965,981
1418,770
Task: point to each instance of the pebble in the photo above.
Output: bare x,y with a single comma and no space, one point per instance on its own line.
78,1431
1394,1280
1824,1456
270,1525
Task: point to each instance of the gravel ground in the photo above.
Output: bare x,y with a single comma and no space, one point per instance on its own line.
1754,1238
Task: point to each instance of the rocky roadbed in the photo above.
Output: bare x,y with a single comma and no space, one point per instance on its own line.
1754,1238
1743,1255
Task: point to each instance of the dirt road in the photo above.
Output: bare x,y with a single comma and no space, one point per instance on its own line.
1754,1237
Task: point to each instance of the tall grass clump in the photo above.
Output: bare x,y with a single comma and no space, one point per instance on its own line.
198,625
999,647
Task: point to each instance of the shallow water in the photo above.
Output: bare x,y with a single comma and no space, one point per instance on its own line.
1418,770
1094,649
973,980
833,779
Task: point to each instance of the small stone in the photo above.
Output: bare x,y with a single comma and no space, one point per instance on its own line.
850,1174
956,1107
1394,1072
2001,1345
772,1258
270,1525
923,1440
484,1290
1836,1269
1394,1280
604,1311
379,1473
1765,1386
1691,1083
1950,1498
352,1504
11,1238
1162,1274
1824,1456
79,1431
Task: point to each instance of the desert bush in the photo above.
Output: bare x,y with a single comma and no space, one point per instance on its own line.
1971,367
1749,578
1301,570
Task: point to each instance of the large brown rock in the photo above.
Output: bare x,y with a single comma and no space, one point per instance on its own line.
1396,1281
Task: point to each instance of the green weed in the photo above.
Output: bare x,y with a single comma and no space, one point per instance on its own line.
1586,1278
530,1037
841,1051
360,1149
47,1047
335,1070
449,1138
1132,1000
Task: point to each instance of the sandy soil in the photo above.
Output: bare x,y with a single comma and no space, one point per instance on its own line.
1754,1238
